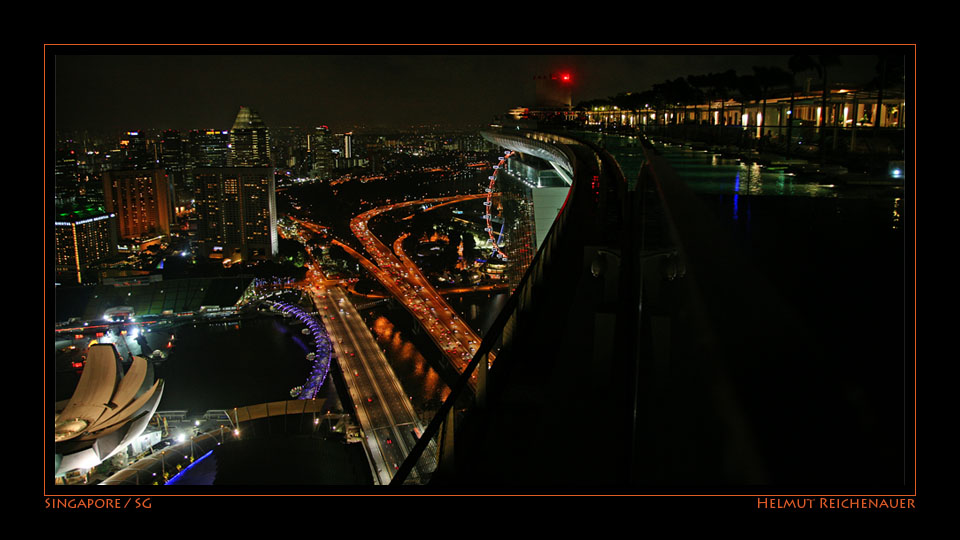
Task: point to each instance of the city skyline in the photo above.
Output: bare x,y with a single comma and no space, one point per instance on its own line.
765,238
95,88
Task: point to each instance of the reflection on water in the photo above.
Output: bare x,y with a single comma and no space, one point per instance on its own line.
479,310
709,173
418,378
833,254
740,188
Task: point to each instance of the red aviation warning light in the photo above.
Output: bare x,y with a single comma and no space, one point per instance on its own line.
565,77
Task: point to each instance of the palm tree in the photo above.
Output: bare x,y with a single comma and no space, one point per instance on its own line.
825,61
749,89
889,73
798,63
655,98
768,78
594,103
685,95
714,86
821,64
705,85
669,92
629,101
724,83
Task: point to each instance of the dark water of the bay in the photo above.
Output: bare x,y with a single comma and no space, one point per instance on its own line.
226,365
415,360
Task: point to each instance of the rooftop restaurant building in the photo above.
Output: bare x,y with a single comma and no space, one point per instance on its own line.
845,117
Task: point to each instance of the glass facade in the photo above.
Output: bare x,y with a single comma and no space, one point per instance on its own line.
249,141
141,199
237,212
83,239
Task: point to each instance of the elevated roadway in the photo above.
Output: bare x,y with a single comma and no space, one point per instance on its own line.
390,423
397,273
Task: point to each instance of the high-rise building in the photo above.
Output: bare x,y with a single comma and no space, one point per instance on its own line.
236,205
141,199
289,149
237,212
138,151
173,159
209,147
249,141
320,147
348,145
83,238
66,173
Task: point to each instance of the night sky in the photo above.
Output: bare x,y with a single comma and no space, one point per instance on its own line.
126,88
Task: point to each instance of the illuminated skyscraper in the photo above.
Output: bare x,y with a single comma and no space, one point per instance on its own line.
348,145
173,159
138,151
249,141
83,238
236,205
209,147
237,212
66,172
321,153
141,199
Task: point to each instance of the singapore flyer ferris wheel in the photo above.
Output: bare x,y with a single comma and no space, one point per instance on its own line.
488,204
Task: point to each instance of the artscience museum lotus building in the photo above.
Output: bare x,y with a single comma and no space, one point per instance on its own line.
108,410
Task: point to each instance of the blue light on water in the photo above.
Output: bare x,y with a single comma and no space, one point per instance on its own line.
176,478
736,197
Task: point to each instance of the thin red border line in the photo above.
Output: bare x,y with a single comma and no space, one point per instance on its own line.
914,283
45,149
914,45
339,44
491,44
87,495
914,270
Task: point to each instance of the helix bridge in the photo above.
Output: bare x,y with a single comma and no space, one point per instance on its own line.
320,356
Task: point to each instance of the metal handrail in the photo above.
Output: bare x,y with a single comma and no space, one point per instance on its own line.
521,297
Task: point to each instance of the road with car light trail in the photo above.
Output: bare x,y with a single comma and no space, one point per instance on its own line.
389,422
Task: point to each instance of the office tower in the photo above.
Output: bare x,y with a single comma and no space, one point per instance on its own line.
173,159
289,149
83,238
138,151
249,141
141,199
236,212
320,147
209,147
66,173
236,205
348,145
